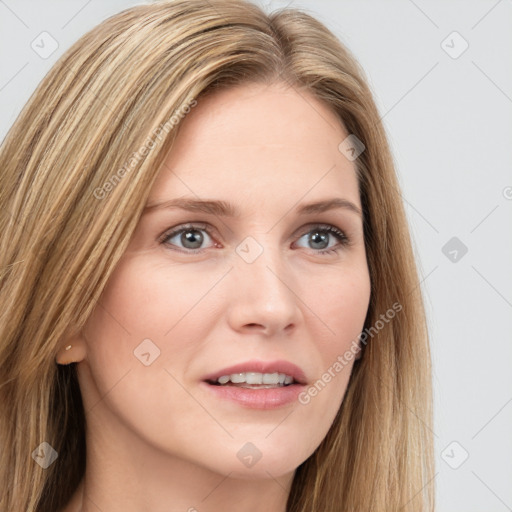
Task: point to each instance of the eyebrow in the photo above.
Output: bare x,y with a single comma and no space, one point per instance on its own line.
225,209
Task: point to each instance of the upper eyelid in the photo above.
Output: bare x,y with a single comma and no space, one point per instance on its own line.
306,228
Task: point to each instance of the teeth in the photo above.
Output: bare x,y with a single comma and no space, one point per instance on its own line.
270,378
254,378
237,378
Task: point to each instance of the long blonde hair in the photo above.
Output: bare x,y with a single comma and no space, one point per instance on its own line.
63,230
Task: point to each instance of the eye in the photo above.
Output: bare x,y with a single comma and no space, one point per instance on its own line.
190,236
319,234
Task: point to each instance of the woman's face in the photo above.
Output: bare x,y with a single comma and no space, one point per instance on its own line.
268,283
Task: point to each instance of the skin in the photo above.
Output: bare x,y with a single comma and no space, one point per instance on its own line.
156,440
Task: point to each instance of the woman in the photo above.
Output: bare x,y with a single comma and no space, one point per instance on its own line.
208,292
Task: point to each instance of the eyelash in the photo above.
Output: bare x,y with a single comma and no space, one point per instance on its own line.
326,228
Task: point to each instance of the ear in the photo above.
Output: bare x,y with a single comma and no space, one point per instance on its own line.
73,350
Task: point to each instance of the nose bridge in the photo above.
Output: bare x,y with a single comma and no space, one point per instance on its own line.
263,295
261,264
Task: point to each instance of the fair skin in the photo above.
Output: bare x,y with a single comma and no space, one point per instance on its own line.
156,439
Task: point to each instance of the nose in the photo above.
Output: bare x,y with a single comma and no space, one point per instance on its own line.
263,298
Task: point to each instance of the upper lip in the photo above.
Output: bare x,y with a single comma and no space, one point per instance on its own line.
257,366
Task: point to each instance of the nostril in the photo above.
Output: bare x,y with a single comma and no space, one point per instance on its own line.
253,326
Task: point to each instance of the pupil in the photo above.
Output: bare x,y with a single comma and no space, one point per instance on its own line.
193,237
321,238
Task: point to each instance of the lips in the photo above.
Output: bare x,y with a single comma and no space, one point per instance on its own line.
257,366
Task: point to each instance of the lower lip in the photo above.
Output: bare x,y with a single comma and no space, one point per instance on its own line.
263,398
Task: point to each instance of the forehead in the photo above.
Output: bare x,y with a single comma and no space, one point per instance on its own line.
264,142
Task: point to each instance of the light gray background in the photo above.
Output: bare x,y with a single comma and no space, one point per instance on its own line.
449,122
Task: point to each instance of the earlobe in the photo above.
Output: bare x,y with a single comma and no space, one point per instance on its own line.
73,352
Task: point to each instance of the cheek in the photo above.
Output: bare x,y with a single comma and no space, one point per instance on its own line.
338,313
341,307
144,300
136,310
147,309
130,310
